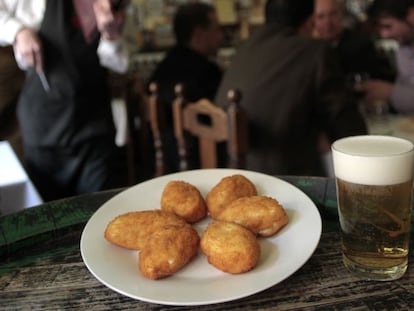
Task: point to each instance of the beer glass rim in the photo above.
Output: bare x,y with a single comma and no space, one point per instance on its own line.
338,146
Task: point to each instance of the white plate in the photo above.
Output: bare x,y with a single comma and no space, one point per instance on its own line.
200,283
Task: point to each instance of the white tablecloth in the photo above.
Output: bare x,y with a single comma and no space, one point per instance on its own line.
16,190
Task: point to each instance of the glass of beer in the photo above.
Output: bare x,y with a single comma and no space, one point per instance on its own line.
374,179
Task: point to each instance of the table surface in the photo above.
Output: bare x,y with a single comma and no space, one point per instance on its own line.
41,266
392,124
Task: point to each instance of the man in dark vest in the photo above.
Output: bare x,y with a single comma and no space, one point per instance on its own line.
64,108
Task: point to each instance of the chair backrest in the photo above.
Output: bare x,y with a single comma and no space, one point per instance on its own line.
211,125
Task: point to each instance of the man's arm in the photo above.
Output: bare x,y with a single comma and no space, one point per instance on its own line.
110,18
16,14
400,94
402,98
19,22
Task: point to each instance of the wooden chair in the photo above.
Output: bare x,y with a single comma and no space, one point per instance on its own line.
155,115
211,125
144,125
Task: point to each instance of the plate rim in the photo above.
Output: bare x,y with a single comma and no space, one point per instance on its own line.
224,171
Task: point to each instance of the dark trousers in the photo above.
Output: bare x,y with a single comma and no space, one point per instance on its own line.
59,172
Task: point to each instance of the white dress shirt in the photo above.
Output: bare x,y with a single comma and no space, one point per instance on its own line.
17,14
403,91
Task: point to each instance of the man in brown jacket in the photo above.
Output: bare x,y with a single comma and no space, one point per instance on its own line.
292,91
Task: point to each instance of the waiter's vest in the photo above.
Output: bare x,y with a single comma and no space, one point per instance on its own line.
77,107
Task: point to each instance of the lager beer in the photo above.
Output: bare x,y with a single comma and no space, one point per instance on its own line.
374,177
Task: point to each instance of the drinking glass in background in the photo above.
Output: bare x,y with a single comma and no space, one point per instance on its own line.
374,179
377,117
354,80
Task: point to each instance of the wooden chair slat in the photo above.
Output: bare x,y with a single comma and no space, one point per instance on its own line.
211,124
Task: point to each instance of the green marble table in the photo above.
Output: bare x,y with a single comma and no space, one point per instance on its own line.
41,267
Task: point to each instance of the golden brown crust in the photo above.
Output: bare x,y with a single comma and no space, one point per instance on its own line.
167,251
230,247
167,242
185,200
227,190
131,230
262,215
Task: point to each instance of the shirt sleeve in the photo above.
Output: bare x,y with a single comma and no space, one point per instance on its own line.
9,24
114,55
16,14
402,98
403,91
9,30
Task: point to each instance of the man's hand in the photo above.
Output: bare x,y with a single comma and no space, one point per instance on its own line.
376,90
29,47
110,17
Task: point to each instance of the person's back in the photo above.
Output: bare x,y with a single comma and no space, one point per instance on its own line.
291,92
198,37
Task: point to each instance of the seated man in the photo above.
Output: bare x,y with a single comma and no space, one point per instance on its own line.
198,37
395,20
355,49
292,91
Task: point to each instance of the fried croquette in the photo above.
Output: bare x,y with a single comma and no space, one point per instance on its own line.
185,200
131,230
167,251
262,215
230,247
226,191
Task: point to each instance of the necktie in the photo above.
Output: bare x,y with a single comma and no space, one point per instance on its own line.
86,16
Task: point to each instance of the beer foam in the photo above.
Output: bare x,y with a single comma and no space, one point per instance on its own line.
373,159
